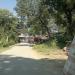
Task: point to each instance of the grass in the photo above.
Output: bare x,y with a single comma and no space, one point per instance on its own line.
3,49
49,47
45,49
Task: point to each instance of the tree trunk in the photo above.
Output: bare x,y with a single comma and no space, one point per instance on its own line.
68,13
47,29
45,26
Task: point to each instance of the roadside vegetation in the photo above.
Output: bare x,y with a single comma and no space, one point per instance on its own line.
8,33
2,49
48,47
39,17
42,15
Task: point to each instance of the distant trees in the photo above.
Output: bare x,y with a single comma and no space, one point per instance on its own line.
40,12
26,7
7,28
42,19
25,10
37,14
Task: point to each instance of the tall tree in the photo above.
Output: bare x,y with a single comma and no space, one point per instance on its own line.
43,17
26,9
7,27
63,10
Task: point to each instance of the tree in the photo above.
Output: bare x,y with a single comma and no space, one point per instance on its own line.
26,9
63,10
7,27
69,8
42,18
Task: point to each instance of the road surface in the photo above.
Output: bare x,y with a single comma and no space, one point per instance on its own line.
23,60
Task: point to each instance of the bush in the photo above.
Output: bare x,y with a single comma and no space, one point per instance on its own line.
5,43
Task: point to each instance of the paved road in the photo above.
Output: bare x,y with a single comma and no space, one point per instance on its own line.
22,60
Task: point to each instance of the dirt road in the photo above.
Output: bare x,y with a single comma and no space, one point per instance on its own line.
23,60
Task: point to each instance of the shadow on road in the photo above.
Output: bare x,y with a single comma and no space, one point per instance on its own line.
10,65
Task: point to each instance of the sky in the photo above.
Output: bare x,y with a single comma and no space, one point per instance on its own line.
8,4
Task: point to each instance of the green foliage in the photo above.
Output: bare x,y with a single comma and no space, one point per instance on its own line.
7,28
40,12
26,7
47,47
61,41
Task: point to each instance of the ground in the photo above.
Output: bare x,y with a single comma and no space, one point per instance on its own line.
23,60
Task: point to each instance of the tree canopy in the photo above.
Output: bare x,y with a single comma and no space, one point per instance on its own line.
8,24
40,12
